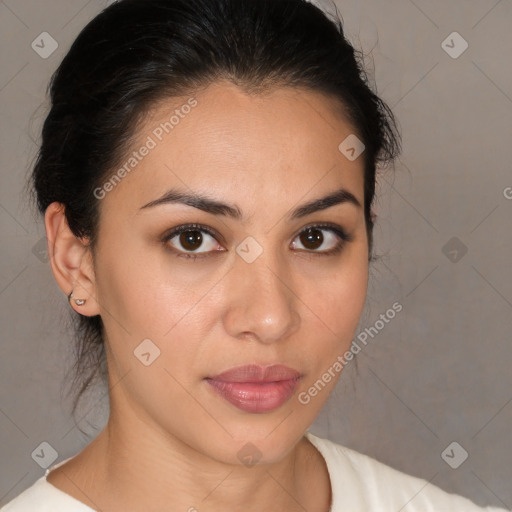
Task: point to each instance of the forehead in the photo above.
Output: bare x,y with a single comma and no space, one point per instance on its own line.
282,145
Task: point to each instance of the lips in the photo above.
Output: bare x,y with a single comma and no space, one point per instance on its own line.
256,373
256,389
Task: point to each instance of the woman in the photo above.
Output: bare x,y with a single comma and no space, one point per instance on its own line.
206,176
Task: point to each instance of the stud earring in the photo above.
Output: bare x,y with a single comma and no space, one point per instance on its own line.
78,302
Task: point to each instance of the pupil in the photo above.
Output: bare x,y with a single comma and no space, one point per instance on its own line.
312,238
191,240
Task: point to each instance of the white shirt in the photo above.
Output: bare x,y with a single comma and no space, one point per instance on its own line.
358,482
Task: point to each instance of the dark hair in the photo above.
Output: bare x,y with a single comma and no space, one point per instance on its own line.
137,52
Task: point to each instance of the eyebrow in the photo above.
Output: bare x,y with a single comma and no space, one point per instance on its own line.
214,207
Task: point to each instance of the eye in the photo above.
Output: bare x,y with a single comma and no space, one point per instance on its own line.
323,239
192,239
198,241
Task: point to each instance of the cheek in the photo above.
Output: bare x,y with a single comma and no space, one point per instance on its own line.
148,308
147,292
334,308
337,297
151,297
329,334
344,300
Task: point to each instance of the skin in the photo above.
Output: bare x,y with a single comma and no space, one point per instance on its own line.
167,430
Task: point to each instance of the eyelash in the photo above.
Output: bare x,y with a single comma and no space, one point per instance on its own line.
333,228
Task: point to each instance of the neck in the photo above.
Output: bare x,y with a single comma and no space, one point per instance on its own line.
135,466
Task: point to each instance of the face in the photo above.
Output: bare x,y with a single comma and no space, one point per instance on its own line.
214,253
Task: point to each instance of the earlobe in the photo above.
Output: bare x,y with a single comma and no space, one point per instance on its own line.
71,261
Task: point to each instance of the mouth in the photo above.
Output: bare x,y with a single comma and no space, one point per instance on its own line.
256,389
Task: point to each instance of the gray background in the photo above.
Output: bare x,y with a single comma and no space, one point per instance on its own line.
439,372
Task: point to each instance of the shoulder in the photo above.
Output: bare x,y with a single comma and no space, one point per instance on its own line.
38,497
361,483
42,496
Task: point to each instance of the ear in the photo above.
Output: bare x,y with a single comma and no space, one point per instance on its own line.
71,261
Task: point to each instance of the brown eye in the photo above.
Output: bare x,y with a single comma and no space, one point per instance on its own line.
191,240
312,238
320,239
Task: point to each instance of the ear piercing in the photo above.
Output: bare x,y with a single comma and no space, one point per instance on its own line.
78,302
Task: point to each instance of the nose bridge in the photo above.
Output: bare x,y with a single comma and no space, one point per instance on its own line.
260,301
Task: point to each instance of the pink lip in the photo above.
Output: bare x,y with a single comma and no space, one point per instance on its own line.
254,388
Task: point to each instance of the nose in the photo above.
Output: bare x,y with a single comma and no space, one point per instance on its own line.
260,301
